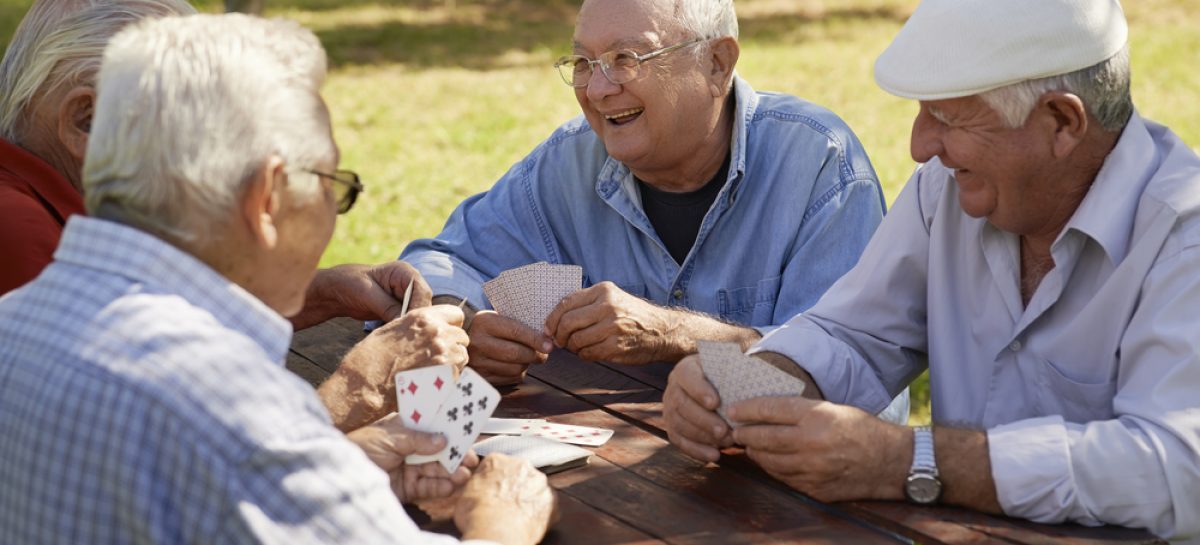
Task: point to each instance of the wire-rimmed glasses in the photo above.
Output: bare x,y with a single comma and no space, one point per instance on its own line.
619,66
346,190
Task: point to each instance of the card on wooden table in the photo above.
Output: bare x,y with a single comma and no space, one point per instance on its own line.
511,426
528,294
738,377
545,454
566,433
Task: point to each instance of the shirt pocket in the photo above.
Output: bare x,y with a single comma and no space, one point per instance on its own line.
749,305
1076,401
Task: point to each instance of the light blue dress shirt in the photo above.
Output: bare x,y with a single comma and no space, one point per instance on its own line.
1090,394
800,203
143,399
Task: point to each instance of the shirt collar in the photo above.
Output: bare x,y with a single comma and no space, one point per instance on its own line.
41,179
1107,211
139,256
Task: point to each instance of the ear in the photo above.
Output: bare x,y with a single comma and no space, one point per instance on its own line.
262,200
723,56
75,120
1069,119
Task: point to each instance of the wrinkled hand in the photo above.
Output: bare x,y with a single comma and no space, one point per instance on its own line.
689,408
507,500
502,349
363,386
831,452
361,292
604,323
386,442
382,297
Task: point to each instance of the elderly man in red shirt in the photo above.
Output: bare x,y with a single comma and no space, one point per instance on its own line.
46,101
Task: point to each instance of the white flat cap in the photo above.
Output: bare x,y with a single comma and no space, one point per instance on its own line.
957,48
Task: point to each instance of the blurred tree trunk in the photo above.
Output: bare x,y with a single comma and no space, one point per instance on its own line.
245,6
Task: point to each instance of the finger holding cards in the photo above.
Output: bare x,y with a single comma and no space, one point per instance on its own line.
502,349
689,409
431,481
604,323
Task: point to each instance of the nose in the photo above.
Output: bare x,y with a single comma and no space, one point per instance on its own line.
927,135
599,86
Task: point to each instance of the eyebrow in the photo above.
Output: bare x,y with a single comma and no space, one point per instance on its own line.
626,43
938,114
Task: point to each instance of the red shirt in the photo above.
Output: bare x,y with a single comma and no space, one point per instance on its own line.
35,202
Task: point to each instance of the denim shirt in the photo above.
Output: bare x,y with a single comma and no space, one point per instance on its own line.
799,205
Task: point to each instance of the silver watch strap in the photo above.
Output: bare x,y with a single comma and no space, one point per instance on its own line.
923,457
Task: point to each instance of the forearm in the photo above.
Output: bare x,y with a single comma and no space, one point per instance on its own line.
320,299
685,327
351,404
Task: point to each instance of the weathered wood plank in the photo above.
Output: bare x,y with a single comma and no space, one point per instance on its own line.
306,369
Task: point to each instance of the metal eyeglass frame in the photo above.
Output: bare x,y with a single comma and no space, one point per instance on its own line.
573,60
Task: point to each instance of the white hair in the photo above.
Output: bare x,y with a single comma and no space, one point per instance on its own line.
58,44
189,108
1103,88
707,18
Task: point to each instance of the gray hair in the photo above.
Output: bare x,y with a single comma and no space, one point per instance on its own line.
58,44
707,18
189,108
1103,88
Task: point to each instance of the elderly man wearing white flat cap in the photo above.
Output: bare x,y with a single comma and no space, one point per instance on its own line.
1043,263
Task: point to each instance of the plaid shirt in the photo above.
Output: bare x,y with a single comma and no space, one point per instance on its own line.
143,399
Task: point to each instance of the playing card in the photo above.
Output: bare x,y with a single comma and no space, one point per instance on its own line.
528,294
462,417
539,451
511,426
420,392
738,377
566,433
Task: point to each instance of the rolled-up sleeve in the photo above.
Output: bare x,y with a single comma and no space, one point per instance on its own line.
488,233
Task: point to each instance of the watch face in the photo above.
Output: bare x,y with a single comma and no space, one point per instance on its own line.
922,488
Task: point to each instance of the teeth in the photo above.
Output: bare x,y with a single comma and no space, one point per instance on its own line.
625,113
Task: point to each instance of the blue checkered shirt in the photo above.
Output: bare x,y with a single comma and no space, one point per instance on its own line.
143,399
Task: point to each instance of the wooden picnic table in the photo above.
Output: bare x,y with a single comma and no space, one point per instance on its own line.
637,488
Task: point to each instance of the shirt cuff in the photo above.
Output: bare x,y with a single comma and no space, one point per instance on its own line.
1031,468
449,276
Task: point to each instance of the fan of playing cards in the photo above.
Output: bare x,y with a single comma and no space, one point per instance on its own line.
433,399
528,294
738,377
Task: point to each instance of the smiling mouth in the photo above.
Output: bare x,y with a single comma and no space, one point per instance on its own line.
625,117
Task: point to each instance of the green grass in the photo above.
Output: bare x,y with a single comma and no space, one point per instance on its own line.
431,105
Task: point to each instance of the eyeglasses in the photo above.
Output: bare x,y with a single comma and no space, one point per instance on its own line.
346,189
620,66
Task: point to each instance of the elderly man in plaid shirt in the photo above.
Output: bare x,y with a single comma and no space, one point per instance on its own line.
143,397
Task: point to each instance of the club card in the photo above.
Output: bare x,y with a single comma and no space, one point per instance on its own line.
566,433
420,392
546,454
511,426
460,418
738,377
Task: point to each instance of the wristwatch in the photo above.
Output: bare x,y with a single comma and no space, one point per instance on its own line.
922,486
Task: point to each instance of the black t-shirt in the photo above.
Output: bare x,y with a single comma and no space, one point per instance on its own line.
676,217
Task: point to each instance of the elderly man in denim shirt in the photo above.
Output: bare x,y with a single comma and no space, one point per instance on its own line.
697,207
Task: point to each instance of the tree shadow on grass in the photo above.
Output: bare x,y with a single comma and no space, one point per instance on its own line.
527,33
